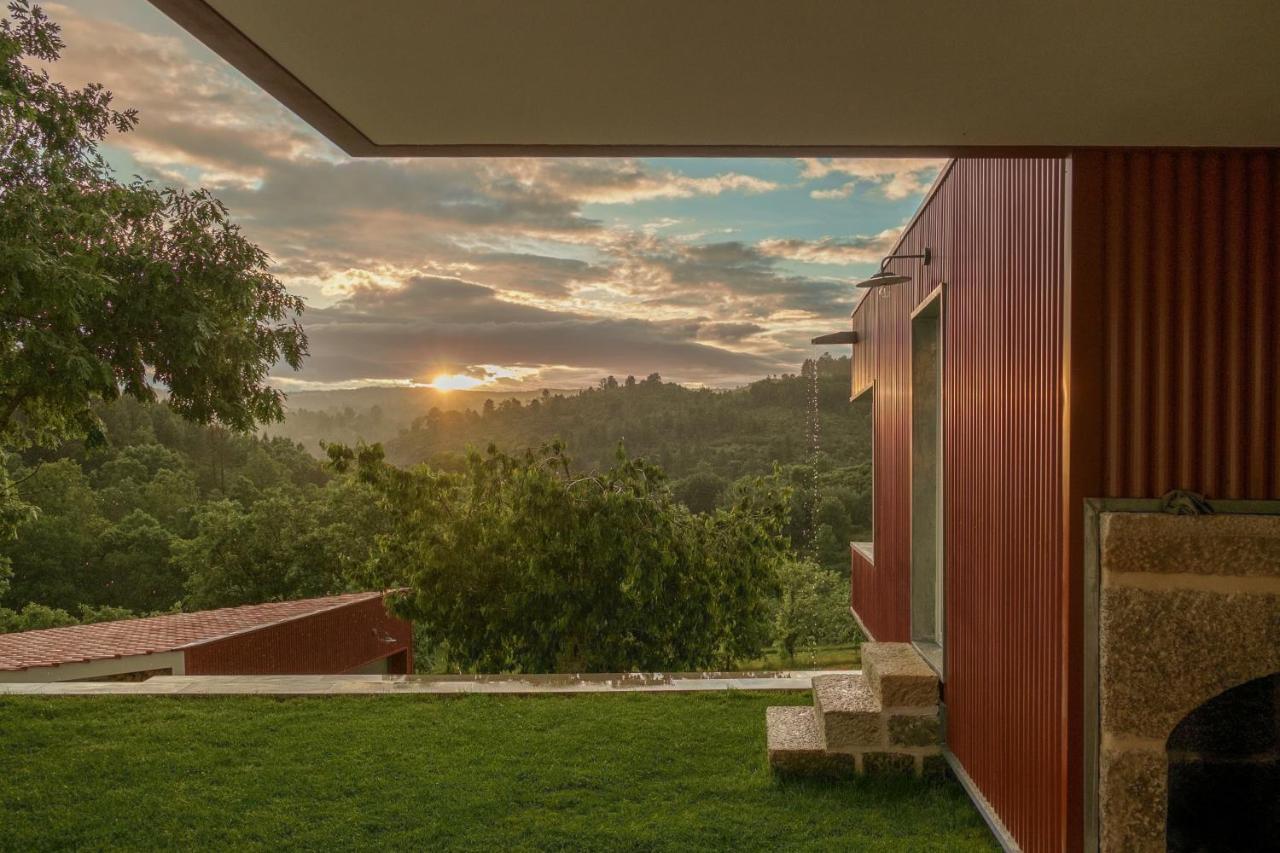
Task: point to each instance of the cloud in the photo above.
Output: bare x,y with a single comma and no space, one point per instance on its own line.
528,272
626,181
842,191
659,224
894,178
730,333
862,249
432,324
733,279
199,119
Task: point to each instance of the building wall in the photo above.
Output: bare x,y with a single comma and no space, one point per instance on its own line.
1173,344
1187,293
997,230
332,641
1112,329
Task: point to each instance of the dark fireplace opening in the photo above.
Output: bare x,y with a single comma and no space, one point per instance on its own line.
1224,771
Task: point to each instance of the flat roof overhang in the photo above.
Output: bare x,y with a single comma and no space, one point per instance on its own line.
757,77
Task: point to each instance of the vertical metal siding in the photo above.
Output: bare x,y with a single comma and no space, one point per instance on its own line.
996,228
1175,354
1192,277
331,641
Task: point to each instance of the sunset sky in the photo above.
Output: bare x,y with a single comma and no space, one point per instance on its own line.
509,273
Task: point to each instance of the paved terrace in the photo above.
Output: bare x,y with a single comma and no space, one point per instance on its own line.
347,685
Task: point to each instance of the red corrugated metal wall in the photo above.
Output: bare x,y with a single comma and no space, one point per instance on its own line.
996,229
1191,282
332,641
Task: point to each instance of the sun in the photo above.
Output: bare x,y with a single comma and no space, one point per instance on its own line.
454,382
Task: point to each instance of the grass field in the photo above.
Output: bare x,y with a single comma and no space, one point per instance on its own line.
605,772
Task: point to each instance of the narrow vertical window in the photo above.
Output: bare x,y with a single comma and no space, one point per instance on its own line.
864,459
927,598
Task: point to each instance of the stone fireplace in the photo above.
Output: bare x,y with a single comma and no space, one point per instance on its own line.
1187,731
1224,771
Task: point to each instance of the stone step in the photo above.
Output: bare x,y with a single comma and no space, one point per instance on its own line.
881,720
899,676
847,712
796,747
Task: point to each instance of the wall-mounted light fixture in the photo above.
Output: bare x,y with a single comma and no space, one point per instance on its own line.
849,337
884,278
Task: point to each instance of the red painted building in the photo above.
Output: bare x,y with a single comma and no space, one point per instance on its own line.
1104,324
336,634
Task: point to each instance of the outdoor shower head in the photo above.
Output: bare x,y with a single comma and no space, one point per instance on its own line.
884,278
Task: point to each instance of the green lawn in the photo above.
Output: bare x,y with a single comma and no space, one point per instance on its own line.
604,772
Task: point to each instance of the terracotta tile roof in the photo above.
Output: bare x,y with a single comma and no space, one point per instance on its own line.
105,640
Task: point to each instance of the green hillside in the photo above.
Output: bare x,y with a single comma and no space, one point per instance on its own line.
731,432
704,439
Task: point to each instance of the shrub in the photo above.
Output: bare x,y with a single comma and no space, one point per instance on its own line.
35,617
812,608
515,563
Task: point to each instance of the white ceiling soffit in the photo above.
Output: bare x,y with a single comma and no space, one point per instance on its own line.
457,77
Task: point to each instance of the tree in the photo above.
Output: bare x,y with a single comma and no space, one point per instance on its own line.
55,556
14,512
290,543
515,563
813,608
109,288
147,478
241,555
701,490
109,515
135,569
35,617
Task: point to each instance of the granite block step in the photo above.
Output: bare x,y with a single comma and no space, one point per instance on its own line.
796,747
899,676
847,712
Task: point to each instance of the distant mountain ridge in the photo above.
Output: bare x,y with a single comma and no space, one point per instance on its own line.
735,431
378,413
409,398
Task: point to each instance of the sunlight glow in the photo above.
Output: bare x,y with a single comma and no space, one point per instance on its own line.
454,382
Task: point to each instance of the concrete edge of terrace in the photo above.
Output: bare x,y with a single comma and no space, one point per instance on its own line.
366,685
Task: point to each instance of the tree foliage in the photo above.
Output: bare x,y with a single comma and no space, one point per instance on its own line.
111,516
289,543
612,568
35,617
517,563
812,608
110,288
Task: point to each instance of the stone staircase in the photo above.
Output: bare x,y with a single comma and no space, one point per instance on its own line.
882,720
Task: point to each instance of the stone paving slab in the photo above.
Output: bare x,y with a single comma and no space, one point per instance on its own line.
364,685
